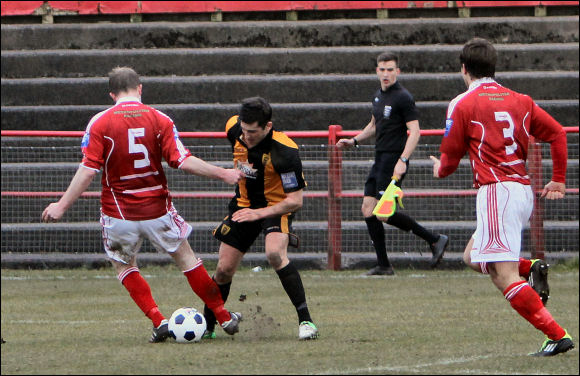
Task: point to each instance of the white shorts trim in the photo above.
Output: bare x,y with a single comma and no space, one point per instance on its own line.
503,209
122,238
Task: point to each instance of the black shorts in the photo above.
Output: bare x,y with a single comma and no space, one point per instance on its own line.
381,173
241,235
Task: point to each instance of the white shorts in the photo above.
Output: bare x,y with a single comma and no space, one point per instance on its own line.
503,209
122,238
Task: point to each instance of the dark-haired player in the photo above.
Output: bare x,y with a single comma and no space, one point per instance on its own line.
265,202
494,124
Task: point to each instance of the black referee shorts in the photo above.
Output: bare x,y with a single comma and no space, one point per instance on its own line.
381,173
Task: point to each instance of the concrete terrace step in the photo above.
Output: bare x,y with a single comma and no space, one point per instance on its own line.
286,116
277,89
306,60
288,34
86,237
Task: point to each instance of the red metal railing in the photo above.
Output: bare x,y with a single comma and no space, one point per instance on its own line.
335,194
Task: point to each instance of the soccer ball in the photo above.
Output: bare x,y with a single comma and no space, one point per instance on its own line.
187,325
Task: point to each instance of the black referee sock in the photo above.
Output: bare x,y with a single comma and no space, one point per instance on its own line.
208,313
377,233
292,284
406,223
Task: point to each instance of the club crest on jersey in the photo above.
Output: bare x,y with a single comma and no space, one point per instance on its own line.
247,169
387,111
448,125
265,159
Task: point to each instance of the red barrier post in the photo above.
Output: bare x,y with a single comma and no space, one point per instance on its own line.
537,219
334,199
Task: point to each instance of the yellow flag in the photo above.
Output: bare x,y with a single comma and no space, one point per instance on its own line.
387,205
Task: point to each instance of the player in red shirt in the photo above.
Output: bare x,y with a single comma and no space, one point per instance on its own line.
128,142
493,124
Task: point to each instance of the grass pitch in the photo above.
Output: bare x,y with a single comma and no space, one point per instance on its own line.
417,322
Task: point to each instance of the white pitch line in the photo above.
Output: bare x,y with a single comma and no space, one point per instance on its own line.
62,322
417,368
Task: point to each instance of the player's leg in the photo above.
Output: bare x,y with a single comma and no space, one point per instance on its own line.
236,238
480,267
122,240
228,263
140,292
502,211
277,255
169,233
201,283
525,301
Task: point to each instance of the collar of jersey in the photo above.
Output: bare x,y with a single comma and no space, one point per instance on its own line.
128,99
396,84
479,81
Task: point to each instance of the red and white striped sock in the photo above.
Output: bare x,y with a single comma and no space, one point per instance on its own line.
206,288
141,294
528,304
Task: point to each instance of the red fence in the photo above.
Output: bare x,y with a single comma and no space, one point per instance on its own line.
19,8
335,192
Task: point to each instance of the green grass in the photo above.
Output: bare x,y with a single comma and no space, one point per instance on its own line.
417,322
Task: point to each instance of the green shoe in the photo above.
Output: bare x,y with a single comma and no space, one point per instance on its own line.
551,347
208,335
307,330
538,279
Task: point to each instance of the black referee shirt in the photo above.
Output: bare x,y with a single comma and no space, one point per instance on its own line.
392,109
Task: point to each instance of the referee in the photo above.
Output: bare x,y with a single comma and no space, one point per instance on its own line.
393,113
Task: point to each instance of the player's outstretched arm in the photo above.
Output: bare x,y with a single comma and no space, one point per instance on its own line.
79,183
196,166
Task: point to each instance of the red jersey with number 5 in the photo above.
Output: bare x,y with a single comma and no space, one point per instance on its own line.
494,125
128,141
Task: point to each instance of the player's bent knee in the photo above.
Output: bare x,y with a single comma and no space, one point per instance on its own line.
275,259
224,274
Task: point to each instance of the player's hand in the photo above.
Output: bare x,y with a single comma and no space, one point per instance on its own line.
52,213
554,190
246,215
232,175
345,143
436,165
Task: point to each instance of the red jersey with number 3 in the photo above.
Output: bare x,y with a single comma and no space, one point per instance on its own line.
494,125
128,141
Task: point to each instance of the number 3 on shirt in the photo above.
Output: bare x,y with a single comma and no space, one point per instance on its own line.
507,132
140,148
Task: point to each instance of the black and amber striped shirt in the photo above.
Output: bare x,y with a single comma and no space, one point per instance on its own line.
272,168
